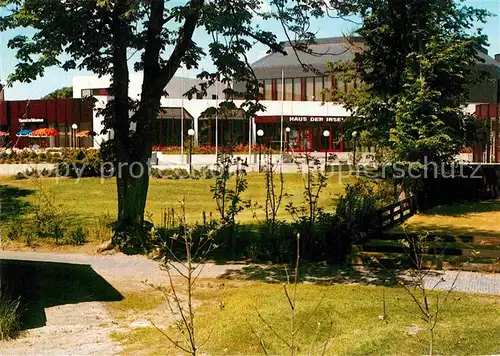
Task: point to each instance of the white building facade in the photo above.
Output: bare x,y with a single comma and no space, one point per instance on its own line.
295,118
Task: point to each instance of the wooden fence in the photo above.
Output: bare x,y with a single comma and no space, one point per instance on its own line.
396,213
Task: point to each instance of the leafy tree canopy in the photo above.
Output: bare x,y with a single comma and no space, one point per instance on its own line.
103,35
414,67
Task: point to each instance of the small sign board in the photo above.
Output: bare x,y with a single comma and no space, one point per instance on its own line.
31,119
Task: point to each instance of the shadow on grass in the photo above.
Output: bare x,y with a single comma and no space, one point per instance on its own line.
11,202
314,273
46,284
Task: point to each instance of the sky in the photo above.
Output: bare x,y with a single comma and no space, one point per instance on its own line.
56,78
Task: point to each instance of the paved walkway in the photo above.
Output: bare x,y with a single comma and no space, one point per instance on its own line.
119,266
84,328
473,282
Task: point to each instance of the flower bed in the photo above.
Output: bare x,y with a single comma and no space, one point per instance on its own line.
29,155
208,149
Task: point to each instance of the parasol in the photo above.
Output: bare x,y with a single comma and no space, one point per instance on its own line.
45,132
24,133
85,133
3,133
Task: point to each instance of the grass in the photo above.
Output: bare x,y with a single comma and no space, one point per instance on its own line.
354,310
10,316
143,301
468,218
92,197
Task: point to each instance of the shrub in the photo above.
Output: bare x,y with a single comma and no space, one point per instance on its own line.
356,208
15,230
77,236
102,230
277,241
156,173
10,315
47,218
81,163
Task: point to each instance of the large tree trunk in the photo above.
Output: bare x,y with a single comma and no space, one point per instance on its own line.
132,184
133,149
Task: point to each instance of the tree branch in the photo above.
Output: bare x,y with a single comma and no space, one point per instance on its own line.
183,42
274,46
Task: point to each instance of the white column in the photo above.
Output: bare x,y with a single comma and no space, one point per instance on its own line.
217,119
281,131
182,115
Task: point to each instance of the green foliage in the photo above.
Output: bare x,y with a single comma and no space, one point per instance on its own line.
64,34
63,93
229,200
102,229
82,163
414,71
77,236
356,208
47,217
10,316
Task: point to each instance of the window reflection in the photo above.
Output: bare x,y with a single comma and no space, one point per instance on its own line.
289,89
297,89
268,90
309,89
279,90
318,88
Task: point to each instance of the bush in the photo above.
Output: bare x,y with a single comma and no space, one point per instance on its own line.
357,207
77,236
15,230
181,173
81,163
277,242
10,315
102,231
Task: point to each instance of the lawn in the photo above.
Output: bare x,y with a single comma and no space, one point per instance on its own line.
228,312
467,218
87,200
91,197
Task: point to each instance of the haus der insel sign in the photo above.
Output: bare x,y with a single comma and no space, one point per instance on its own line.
307,119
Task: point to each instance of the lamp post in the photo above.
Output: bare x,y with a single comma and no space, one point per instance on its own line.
326,134
191,135
260,133
287,135
74,127
354,135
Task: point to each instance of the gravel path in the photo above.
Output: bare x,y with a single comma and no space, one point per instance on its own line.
84,328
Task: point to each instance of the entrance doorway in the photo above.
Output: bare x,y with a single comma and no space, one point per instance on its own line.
300,139
331,143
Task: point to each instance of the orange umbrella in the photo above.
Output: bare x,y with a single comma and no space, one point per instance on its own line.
45,132
85,133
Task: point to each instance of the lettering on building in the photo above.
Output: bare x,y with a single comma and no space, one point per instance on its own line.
318,119
31,119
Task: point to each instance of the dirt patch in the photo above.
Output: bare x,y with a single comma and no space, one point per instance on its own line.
413,330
